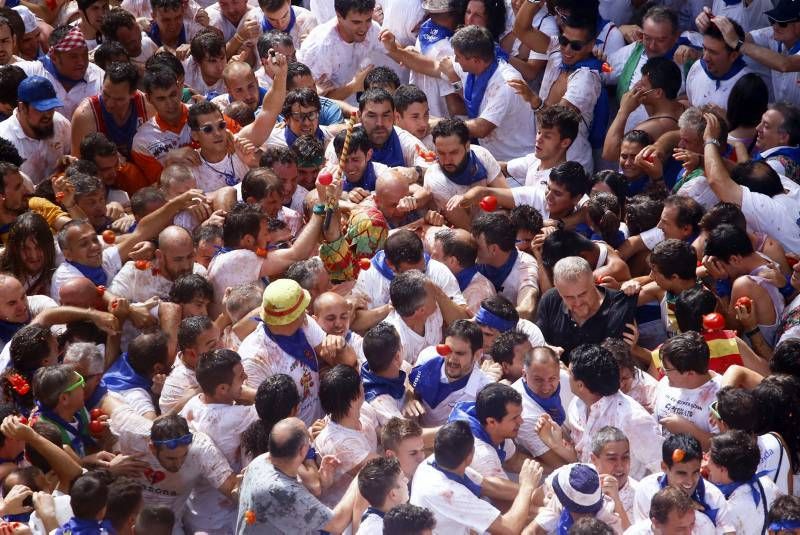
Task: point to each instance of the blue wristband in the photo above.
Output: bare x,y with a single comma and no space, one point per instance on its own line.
312,454
787,290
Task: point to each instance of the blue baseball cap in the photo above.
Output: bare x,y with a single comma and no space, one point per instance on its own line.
39,93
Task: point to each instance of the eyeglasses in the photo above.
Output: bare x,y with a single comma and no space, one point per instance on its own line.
208,128
300,116
173,443
574,45
781,23
714,410
80,383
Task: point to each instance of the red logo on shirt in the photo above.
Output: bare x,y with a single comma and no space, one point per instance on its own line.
154,476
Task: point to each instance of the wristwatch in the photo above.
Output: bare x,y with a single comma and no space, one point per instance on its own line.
457,86
319,209
739,45
711,142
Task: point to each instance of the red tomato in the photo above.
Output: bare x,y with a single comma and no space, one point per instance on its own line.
96,427
650,158
364,263
141,265
109,237
96,413
60,196
745,302
101,290
713,322
325,179
678,455
443,349
488,203
23,420
261,252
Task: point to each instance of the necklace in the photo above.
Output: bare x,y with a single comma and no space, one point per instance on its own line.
230,177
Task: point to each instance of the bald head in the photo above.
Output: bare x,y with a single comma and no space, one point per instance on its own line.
328,300
78,292
174,236
391,182
175,254
542,355
287,440
9,285
236,70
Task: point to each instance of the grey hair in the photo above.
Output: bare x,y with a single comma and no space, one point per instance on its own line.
173,174
85,355
305,271
571,268
606,435
693,119
242,299
541,349
444,234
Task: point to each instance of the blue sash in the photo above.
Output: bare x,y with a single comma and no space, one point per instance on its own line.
367,181
297,347
80,438
391,153
793,153
464,277
465,411
473,172
121,376
476,86
78,526
471,486
431,33
699,495
266,26
375,385
737,66
121,135
728,488
426,380
565,522
95,274
498,275
792,51
551,405
379,263
155,34
48,65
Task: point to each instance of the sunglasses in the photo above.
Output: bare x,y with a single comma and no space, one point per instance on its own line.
574,45
80,383
173,443
300,117
780,23
713,409
208,128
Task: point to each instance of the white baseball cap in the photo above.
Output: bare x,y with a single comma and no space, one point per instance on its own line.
27,17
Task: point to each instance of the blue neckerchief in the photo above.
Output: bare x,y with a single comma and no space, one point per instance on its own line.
266,26
551,405
779,525
375,385
16,460
391,154
737,66
501,54
81,437
261,94
732,2
106,524
473,172
792,51
498,275
484,317
728,488
121,135
565,522
464,277
9,329
48,65
211,95
591,63
699,495
95,274
466,412
372,511
98,395
290,136
22,517
121,376
368,180
614,242
471,486
426,380
793,153
670,54
379,263
218,250
78,526
296,346
155,34
431,33
476,86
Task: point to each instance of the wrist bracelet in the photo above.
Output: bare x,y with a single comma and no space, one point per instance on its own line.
319,209
540,106
750,333
711,142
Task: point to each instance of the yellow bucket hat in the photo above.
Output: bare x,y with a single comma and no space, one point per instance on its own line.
283,302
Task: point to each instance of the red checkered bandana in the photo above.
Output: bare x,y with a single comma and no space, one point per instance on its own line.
72,40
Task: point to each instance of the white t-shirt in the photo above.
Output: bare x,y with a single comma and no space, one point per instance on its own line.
456,509
262,358
92,85
443,188
213,176
304,22
527,437
350,446
515,127
41,155
240,266
194,79
408,144
411,342
371,283
478,289
139,399
66,272
700,89
689,403
776,216
785,86
436,416
139,285
179,381
486,462
702,526
524,274
774,463
435,88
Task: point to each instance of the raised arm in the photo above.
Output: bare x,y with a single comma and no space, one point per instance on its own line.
765,56
258,131
524,30
717,175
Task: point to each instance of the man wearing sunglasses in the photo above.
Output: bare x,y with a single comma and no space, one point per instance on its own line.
776,47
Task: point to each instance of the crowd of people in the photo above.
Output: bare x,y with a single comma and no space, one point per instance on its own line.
411,267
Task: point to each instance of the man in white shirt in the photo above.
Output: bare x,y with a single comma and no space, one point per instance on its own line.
421,311
459,167
711,79
382,483
458,250
611,455
391,146
672,511
384,380
343,48
133,374
497,315
235,19
295,21
732,463
777,141
449,373
447,486
681,456
37,131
